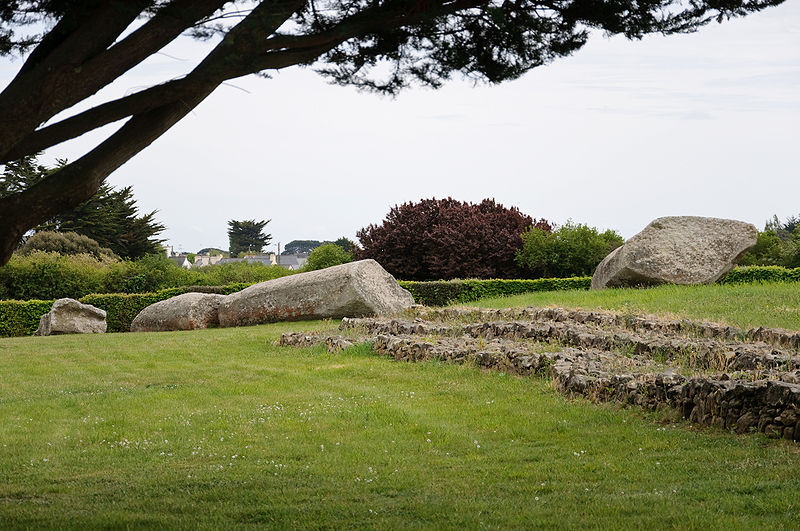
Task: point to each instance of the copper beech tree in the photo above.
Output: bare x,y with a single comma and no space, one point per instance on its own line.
441,239
381,45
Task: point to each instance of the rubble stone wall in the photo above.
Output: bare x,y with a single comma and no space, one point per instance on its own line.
712,374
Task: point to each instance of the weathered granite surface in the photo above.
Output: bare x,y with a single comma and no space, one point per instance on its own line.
349,290
676,250
68,316
189,311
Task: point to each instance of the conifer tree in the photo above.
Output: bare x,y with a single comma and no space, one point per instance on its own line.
247,236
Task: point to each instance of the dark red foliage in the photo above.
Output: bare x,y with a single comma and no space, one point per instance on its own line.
444,238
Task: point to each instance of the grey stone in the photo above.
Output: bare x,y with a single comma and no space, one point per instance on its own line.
189,311
68,316
757,399
349,290
676,250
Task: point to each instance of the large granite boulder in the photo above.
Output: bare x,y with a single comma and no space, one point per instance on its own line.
349,290
676,250
189,311
68,316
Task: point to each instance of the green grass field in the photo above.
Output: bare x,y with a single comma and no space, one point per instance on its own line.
221,428
742,305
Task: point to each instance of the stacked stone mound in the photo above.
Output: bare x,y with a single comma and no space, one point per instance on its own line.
189,311
718,375
356,289
676,250
68,316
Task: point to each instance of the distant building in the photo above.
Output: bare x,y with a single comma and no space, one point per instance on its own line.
201,260
266,259
181,260
293,261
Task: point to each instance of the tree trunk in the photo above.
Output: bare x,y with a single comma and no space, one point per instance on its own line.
75,183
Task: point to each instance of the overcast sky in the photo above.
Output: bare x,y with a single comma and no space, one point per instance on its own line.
618,134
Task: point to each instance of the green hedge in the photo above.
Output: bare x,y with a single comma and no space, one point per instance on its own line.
47,276
121,308
755,274
442,292
21,318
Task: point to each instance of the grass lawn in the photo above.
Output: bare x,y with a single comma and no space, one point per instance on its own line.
742,305
221,428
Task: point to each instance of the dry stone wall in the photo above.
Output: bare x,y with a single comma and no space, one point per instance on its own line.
741,380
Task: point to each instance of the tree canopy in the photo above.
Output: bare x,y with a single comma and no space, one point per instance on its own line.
301,246
445,238
327,255
778,244
571,250
380,45
247,236
65,243
110,217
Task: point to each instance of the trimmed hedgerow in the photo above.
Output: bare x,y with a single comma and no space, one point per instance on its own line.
440,293
21,318
754,274
44,276
121,308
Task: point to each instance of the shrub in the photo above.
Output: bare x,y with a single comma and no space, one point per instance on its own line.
443,239
65,243
778,244
440,293
755,274
147,274
771,250
570,250
46,276
237,272
121,308
21,318
43,275
327,255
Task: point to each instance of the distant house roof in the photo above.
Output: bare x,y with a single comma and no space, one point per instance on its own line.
181,260
293,261
265,259
259,258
